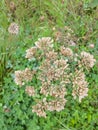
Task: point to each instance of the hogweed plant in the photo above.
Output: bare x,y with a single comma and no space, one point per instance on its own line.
56,71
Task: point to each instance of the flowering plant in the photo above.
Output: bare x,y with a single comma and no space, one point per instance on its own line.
55,70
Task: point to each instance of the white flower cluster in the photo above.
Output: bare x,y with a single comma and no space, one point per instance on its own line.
66,51
23,76
30,90
54,73
87,60
13,28
80,85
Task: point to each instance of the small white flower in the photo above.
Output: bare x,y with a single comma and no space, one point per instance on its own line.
13,28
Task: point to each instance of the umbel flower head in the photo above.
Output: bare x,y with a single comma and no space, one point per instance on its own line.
30,53
54,74
44,42
87,60
80,85
13,28
66,51
30,90
23,76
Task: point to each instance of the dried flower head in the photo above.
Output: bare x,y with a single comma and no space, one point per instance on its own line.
45,88
51,55
28,74
66,36
19,77
80,85
56,105
53,71
44,42
87,60
13,28
23,76
30,53
30,90
66,51
39,108
57,91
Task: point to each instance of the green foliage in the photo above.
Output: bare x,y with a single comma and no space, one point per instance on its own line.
15,105
94,3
